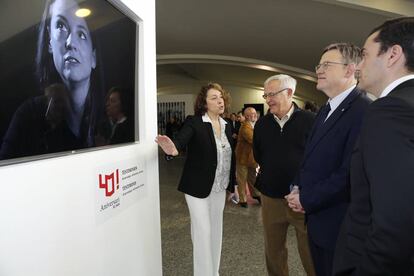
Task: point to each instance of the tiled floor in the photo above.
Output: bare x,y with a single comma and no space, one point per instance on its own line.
242,252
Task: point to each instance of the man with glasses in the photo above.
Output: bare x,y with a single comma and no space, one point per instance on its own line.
323,178
278,143
376,237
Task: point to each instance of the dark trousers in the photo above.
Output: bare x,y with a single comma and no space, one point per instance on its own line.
322,259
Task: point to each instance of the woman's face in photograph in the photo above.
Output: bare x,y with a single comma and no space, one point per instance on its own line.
70,42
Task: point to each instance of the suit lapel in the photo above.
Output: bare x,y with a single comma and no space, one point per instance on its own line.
210,133
228,132
319,133
209,128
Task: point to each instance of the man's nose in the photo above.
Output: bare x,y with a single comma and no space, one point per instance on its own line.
268,100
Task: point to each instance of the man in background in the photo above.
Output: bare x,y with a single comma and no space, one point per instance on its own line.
234,125
245,163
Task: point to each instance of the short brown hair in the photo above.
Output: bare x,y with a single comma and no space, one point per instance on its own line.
200,106
350,52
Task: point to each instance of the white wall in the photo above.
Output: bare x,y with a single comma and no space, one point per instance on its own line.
241,96
48,214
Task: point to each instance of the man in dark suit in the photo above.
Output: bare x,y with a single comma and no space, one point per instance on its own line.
323,178
377,235
234,125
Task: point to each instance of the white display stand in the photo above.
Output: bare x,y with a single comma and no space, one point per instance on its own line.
49,221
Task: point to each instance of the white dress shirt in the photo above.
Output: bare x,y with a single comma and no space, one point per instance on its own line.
338,99
394,84
285,118
222,177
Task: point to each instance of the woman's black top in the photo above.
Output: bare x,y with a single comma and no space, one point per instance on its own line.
200,166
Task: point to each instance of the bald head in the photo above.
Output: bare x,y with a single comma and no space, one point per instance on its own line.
250,114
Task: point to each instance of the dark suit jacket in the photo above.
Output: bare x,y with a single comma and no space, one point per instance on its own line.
124,133
237,127
324,174
377,237
30,132
200,166
234,126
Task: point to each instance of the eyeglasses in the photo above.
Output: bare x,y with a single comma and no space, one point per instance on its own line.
326,64
272,94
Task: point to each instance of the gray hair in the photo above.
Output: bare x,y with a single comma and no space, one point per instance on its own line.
286,81
349,52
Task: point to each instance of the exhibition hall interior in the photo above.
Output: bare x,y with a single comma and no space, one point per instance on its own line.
239,44
96,91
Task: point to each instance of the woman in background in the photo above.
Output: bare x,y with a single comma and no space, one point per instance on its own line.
208,171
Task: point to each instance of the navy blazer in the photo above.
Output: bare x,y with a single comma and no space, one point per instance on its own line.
324,174
200,166
377,234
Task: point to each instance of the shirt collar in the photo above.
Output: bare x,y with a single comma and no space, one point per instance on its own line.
395,83
206,119
120,121
287,116
338,99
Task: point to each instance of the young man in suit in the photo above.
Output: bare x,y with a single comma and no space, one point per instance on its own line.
377,235
278,144
234,124
323,178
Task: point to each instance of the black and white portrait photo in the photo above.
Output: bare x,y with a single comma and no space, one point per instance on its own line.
67,73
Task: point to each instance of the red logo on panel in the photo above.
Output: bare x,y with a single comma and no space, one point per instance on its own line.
109,182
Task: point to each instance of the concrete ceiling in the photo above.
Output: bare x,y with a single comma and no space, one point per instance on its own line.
244,41
241,42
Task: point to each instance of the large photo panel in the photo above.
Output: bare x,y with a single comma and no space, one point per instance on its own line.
67,73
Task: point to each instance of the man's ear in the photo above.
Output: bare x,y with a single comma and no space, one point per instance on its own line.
395,55
290,92
350,70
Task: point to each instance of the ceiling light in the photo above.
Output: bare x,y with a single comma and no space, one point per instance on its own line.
83,12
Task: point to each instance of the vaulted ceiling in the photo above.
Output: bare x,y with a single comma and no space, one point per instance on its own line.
242,42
